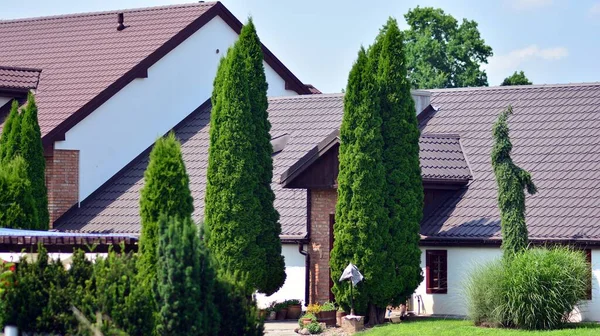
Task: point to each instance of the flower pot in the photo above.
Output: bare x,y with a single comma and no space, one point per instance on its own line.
272,316
262,314
327,317
306,321
294,312
281,314
339,315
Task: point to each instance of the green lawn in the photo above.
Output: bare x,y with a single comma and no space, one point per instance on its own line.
441,327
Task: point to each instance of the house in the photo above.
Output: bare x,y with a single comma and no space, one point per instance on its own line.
108,84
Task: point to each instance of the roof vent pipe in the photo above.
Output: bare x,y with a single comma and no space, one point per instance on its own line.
121,19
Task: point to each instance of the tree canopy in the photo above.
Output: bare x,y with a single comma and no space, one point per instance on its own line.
10,141
511,180
242,224
517,78
441,53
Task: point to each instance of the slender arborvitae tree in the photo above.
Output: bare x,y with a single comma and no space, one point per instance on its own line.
186,303
166,191
32,151
11,134
242,224
404,187
511,181
361,227
274,277
17,205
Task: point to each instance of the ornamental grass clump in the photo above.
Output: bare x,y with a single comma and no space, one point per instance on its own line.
537,289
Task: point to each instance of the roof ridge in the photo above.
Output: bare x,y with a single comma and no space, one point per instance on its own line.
514,87
108,12
13,68
441,135
308,96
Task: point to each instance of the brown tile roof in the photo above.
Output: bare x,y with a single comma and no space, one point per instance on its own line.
85,60
306,120
441,158
555,131
18,79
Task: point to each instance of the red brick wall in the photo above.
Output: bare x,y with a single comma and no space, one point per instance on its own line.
322,205
62,181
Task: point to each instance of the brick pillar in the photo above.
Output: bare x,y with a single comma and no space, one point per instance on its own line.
62,181
322,206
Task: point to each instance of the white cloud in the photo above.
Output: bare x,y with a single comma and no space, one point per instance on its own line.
595,9
529,4
500,66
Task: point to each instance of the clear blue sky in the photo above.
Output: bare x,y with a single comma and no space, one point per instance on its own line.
553,41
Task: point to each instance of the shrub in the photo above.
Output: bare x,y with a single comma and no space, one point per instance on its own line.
234,301
537,289
314,328
313,308
312,318
327,306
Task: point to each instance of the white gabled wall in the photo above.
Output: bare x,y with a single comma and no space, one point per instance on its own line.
129,122
4,100
462,261
294,285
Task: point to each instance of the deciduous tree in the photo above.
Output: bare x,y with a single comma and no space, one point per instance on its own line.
441,53
518,78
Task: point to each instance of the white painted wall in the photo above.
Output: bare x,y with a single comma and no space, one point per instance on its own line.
462,261
293,288
130,121
4,100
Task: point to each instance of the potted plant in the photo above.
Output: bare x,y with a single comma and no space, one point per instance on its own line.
294,309
271,312
306,319
281,309
339,315
327,314
313,308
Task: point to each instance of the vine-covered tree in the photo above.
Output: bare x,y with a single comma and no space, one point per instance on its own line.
185,281
242,223
511,181
517,78
10,141
32,151
362,226
403,198
166,191
441,53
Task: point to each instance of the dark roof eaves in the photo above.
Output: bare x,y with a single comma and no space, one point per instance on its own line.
310,157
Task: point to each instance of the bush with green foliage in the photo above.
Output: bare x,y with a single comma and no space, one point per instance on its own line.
517,78
17,206
183,267
32,151
310,316
236,305
536,289
314,328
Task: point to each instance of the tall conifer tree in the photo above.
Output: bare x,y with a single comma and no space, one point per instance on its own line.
242,224
511,180
404,186
32,150
10,141
361,227
270,226
17,205
166,191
